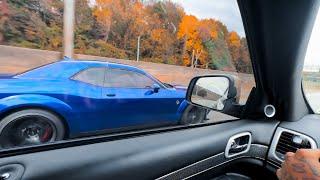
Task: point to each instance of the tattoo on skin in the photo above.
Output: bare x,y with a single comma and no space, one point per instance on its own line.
298,167
287,176
315,171
308,178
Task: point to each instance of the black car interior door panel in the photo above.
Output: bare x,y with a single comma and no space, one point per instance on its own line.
145,157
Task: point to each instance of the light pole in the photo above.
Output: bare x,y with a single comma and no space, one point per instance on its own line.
68,27
138,48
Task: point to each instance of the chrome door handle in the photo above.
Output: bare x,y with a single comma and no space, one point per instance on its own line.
111,95
235,146
238,144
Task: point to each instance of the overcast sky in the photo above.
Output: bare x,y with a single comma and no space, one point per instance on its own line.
313,52
227,12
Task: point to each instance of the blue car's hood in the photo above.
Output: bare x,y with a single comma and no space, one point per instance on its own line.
181,91
179,87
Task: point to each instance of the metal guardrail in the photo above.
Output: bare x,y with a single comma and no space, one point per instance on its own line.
311,76
311,68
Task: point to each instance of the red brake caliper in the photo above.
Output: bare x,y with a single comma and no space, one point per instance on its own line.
46,135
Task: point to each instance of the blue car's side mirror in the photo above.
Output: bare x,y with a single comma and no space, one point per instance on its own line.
156,88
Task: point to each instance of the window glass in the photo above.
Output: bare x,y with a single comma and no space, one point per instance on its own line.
172,41
127,79
94,76
311,70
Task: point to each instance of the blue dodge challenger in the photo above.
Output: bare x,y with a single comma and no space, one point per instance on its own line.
72,98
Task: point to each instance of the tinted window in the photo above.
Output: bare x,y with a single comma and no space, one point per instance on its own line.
127,79
172,40
94,76
311,70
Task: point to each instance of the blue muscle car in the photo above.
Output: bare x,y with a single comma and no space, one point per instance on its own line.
72,98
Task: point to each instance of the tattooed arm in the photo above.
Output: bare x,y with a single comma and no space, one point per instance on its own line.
304,164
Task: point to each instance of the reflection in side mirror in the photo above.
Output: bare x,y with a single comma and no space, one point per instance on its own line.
212,91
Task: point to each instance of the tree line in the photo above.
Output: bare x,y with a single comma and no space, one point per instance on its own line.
112,28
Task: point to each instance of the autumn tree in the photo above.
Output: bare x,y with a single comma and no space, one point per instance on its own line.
189,33
244,64
239,52
160,43
34,24
86,27
234,44
111,28
103,13
214,37
4,12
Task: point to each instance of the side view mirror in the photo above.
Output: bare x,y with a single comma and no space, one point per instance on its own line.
213,91
156,88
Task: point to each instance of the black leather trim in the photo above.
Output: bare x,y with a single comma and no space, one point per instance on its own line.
256,151
274,164
110,136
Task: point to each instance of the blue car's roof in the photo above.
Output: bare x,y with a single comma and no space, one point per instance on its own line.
67,68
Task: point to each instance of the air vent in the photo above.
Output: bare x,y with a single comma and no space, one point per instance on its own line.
291,142
286,140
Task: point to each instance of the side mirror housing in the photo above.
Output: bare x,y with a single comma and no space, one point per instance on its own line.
156,88
215,92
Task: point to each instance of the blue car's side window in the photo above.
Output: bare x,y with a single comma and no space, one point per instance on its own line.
121,78
94,76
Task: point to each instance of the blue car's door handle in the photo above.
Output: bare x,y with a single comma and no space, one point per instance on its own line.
111,95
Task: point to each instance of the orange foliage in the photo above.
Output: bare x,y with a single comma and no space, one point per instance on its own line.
137,14
157,34
234,46
187,26
234,39
208,29
166,33
103,14
189,32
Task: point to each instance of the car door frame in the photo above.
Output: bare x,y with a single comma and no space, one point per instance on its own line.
144,95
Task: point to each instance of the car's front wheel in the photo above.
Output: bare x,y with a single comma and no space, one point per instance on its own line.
30,127
193,115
